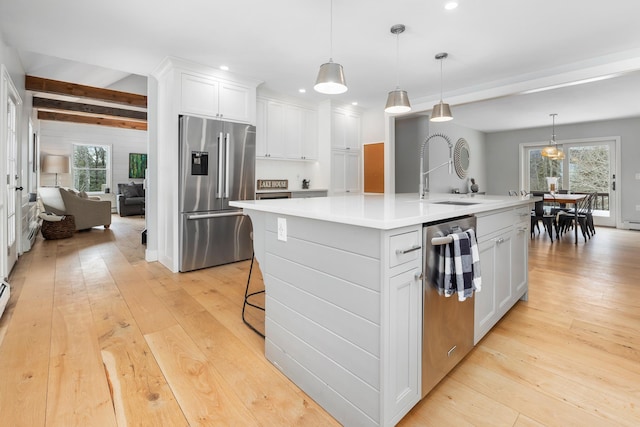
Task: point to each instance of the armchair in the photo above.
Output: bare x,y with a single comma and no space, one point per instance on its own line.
87,213
130,199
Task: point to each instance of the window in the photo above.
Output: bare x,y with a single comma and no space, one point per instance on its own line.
540,168
91,167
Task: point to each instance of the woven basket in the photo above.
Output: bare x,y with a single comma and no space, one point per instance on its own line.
52,230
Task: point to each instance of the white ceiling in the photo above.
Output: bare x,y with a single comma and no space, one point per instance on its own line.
497,49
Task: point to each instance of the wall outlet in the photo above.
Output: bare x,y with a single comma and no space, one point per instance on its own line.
638,175
638,208
282,229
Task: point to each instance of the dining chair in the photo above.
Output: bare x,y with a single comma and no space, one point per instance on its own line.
566,219
548,221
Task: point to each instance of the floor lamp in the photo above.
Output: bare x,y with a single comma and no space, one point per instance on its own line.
55,164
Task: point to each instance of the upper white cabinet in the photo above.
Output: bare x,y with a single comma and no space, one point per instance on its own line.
218,99
290,131
345,130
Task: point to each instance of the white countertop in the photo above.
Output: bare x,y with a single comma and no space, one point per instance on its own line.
383,212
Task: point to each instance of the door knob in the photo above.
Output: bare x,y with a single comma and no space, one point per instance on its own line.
19,188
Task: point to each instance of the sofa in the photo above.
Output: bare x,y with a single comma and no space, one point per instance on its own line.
130,199
87,213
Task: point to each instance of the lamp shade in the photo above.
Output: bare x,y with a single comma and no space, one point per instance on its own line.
55,164
397,102
331,79
441,113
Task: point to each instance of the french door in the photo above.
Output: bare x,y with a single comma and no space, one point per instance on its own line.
588,166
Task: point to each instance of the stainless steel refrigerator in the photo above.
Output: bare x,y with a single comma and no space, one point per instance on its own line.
217,164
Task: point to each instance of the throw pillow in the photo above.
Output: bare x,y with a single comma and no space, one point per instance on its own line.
130,191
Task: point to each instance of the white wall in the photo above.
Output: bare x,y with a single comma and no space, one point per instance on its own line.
441,180
58,137
373,125
409,135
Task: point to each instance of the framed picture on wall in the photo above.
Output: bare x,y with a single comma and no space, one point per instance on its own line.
137,165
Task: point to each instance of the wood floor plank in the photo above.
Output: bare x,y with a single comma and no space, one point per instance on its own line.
262,388
147,308
81,395
526,399
24,353
453,400
140,393
199,389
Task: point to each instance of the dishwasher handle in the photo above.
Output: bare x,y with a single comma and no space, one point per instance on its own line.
439,241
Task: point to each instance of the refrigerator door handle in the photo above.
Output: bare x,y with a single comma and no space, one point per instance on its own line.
226,168
220,171
214,215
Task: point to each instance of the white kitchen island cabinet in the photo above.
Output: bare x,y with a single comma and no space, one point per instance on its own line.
343,278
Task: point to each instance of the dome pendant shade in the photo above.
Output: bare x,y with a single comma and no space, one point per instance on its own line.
397,102
441,113
331,79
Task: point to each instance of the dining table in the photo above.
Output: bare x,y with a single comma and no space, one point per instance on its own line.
567,199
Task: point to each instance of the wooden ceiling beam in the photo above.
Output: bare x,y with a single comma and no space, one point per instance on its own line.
55,104
92,120
39,84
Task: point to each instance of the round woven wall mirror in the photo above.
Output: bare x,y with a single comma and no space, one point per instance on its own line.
461,157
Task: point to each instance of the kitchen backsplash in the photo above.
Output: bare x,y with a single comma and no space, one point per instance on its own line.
291,171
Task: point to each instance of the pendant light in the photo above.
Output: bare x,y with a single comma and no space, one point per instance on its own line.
551,151
441,111
398,100
331,75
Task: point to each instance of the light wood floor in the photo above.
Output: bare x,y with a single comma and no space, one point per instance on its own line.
95,336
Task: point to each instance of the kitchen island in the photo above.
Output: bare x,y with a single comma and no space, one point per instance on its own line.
344,290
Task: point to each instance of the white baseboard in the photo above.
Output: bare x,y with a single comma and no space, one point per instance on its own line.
632,224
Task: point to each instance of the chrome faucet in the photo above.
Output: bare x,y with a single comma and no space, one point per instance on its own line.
423,188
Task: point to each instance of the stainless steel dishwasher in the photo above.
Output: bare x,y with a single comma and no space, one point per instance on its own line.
447,324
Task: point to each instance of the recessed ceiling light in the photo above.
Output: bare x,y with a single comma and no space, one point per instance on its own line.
224,68
450,5
302,90
354,103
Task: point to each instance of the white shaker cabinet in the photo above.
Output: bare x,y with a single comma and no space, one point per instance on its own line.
503,247
217,99
405,320
345,171
345,130
290,131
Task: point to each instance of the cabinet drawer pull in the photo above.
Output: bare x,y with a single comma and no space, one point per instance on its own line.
500,240
406,251
419,276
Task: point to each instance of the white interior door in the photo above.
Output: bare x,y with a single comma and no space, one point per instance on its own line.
11,100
